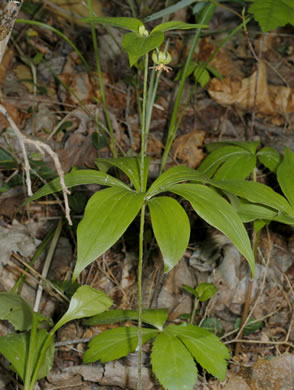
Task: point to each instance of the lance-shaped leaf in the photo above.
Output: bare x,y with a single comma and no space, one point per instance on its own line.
172,363
257,193
137,45
171,228
205,347
236,167
107,216
285,175
154,317
250,146
177,25
15,348
223,154
130,166
131,24
77,178
86,302
216,211
115,343
173,176
269,157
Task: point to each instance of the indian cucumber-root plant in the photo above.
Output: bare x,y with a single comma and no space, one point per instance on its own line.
110,211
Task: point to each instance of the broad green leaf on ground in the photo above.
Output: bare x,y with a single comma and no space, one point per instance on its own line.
171,228
172,363
269,157
154,317
176,25
77,178
285,175
205,347
107,216
130,166
86,302
251,327
15,348
257,193
115,343
236,167
14,309
131,24
216,211
219,156
271,14
173,176
137,45
214,325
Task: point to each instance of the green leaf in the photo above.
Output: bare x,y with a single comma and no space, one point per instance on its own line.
257,193
15,348
205,347
171,228
220,155
172,363
190,290
270,158
201,75
130,166
236,167
173,176
249,212
219,213
107,216
250,146
86,302
115,343
14,309
212,324
77,178
176,25
6,160
131,24
137,45
169,10
251,327
205,291
285,175
271,14
154,317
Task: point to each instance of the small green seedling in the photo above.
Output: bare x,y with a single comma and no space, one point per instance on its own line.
31,350
175,348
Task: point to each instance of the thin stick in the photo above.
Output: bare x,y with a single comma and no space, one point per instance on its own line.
41,146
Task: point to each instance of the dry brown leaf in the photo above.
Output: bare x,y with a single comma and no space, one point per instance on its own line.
270,100
15,114
187,148
5,64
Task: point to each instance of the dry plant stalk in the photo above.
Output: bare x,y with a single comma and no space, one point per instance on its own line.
42,148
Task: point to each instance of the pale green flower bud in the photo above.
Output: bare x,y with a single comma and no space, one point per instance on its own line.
143,31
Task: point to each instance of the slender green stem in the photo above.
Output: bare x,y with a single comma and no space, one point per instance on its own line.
196,303
102,92
30,358
173,122
140,267
143,125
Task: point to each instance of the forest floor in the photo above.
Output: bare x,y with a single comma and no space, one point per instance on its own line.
253,102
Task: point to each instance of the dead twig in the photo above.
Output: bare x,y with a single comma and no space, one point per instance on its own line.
42,148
